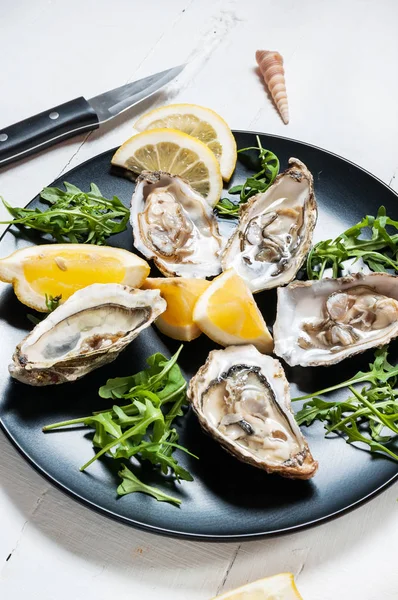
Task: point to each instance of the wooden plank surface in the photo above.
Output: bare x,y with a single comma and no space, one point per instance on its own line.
340,60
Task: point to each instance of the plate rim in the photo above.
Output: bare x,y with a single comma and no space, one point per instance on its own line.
200,537
204,537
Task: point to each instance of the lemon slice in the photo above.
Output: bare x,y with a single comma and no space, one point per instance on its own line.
181,296
62,269
176,153
228,314
278,587
201,123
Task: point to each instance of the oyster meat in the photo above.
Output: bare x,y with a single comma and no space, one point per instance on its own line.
89,330
323,322
275,231
242,399
174,225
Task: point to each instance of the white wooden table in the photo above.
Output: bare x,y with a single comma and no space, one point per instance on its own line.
342,77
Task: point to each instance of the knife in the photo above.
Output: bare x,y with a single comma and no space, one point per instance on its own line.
78,115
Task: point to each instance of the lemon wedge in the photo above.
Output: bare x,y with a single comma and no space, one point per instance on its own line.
62,269
228,314
181,296
199,122
176,153
278,587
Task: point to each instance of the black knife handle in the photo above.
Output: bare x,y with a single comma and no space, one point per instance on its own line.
47,128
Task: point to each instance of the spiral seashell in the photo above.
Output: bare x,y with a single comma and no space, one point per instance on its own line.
270,63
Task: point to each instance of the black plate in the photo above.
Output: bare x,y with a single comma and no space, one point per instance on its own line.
227,500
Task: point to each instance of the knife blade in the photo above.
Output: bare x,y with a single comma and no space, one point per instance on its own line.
71,118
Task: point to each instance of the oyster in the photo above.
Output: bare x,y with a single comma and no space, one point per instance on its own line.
175,226
89,330
275,231
242,399
324,322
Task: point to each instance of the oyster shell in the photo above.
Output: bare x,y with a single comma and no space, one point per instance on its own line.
89,330
242,399
175,226
324,322
275,231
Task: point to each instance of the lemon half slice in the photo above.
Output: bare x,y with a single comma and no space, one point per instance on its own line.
278,587
62,269
181,295
200,122
228,314
176,153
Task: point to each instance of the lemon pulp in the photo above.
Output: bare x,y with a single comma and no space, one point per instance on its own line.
181,300
169,157
174,152
181,296
198,122
233,311
192,125
69,272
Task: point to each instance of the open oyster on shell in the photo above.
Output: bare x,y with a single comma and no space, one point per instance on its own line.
89,330
275,231
323,322
242,399
174,225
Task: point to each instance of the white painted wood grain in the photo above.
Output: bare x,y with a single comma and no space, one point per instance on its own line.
340,60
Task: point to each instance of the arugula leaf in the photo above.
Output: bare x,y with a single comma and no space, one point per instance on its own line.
52,302
353,435
143,428
374,407
33,319
74,216
368,240
132,484
161,454
162,376
267,164
316,409
176,410
380,371
150,415
104,419
117,387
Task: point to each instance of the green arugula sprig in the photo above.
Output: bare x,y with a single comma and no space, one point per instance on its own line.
368,239
52,302
131,483
267,164
74,216
142,427
369,415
